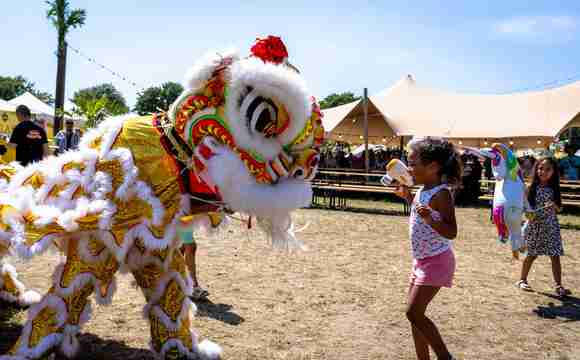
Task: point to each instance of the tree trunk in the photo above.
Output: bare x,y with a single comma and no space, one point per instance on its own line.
60,87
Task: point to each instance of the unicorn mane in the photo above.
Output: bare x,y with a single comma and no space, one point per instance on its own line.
511,162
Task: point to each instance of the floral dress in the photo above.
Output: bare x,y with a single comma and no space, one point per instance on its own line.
543,233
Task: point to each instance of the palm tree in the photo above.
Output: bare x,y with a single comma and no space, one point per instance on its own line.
64,19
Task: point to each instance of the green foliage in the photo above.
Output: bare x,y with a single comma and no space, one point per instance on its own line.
11,87
157,97
334,99
63,18
92,110
115,105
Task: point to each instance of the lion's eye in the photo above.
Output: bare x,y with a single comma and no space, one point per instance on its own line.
261,114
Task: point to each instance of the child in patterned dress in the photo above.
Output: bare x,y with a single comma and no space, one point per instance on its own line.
435,164
542,231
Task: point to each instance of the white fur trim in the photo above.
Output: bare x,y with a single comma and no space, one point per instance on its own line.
206,350
70,343
203,69
274,203
209,350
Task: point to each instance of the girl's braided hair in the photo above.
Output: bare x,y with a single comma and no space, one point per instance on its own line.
442,152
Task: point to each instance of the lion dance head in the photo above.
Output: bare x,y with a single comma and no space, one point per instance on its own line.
253,132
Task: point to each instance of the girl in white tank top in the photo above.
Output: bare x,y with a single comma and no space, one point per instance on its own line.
433,163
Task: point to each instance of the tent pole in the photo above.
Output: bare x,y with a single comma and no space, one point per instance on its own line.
366,125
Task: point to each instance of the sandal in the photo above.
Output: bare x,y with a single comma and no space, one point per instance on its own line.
562,291
523,285
199,294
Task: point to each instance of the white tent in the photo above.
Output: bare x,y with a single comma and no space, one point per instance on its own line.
6,106
35,105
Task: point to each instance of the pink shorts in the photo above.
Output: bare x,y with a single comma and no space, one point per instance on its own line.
434,271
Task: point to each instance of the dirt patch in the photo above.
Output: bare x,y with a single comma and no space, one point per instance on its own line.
345,297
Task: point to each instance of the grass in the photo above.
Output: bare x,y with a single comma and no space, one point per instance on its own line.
345,298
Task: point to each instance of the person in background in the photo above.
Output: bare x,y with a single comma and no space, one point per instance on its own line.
28,138
542,231
570,165
67,139
527,165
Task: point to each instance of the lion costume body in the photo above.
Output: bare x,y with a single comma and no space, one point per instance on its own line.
243,136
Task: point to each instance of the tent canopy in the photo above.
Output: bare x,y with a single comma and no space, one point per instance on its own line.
416,110
406,109
6,106
346,122
35,105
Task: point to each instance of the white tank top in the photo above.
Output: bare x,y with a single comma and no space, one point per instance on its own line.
425,241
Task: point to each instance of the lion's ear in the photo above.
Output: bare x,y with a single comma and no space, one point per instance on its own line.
204,69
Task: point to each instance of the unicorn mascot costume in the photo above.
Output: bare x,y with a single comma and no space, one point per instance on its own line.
244,136
509,197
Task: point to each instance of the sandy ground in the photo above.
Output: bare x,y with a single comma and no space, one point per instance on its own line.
345,298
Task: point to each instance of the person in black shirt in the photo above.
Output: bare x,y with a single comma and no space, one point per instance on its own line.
28,138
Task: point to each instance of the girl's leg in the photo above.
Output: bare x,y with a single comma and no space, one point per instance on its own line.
189,252
556,270
526,267
419,299
421,344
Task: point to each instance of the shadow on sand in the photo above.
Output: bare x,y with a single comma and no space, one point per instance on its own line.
220,312
567,308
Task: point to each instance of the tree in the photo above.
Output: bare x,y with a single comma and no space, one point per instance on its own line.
334,99
157,97
92,110
11,87
63,19
115,105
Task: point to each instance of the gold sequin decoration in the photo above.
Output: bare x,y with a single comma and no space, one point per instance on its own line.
34,234
172,300
147,276
56,189
44,324
114,169
160,334
161,254
88,222
131,212
95,246
36,180
104,270
73,166
7,171
76,303
178,264
9,286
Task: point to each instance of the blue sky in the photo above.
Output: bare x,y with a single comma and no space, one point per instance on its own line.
463,46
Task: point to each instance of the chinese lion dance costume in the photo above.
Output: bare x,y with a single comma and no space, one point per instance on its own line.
509,197
243,137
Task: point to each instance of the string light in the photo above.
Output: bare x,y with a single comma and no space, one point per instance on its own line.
106,68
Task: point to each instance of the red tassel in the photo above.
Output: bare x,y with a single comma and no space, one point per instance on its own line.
249,222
